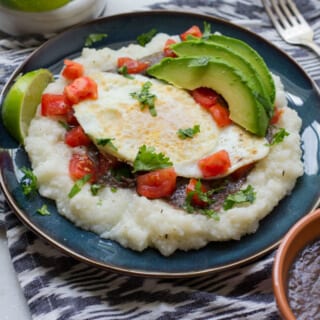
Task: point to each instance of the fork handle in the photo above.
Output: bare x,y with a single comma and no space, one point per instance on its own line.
313,46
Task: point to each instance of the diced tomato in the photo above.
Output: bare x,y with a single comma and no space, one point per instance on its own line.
80,89
167,51
277,113
205,97
195,198
157,184
54,105
132,65
215,164
81,165
193,31
220,114
72,69
76,137
241,172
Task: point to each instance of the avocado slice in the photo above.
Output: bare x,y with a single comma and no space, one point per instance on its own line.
194,72
253,58
205,48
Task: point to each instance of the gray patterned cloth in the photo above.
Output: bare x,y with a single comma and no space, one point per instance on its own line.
59,287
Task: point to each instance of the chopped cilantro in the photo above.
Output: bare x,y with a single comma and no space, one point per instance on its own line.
210,213
121,172
64,125
247,195
203,196
206,31
29,182
278,137
201,61
147,159
205,211
189,132
94,37
124,71
114,189
78,185
94,188
145,98
43,210
145,38
187,204
106,141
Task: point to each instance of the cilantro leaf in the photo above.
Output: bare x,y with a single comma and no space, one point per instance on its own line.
145,98
203,196
114,189
189,132
78,185
124,71
205,211
28,182
206,31
147,159
211,213
44,210
94,188
188,203
106,141
145,38
278,137
121,172
247,195
94,37
64,125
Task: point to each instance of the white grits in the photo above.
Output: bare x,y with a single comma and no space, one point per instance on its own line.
137,222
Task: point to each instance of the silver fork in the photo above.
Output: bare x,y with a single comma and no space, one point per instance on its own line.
290,24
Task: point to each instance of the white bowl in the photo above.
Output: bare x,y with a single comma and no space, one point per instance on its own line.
17,22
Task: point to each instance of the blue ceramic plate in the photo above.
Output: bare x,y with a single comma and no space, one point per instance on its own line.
88,247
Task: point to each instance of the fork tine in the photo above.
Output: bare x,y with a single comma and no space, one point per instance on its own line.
284,13
282,19
290,14
296,12
290,23
275,15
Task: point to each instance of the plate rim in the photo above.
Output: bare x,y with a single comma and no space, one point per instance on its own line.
23,216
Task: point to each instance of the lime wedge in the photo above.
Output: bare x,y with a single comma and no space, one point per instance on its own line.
22,100
34,5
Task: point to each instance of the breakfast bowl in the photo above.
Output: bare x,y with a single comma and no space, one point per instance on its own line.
88,246
296,269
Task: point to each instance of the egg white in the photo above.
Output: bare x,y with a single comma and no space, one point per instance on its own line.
118,117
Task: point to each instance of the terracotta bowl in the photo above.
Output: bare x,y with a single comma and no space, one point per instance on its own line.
304,232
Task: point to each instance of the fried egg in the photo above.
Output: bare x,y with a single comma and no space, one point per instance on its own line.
119,118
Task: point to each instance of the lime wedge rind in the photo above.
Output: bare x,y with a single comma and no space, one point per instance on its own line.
34,5
21,102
